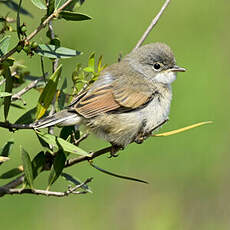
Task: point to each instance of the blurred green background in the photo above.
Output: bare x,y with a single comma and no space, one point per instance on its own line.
188,173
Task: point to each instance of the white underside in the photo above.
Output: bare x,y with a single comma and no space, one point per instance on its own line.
166,77
121,128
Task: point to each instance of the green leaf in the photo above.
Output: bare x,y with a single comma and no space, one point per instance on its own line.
38,164
57,167
52,51
6,149
18,19
74,5
27,166
73,16
14,6
39,4
5,94
27,117
68,131
75,181
62,96
89,70
48,93
57,141
50,9
11,173
4,44
8,88
91,62
59,3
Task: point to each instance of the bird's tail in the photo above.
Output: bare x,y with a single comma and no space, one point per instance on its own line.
62,118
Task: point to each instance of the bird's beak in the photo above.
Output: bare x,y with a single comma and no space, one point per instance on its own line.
177,69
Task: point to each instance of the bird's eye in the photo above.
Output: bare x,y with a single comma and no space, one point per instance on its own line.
157,66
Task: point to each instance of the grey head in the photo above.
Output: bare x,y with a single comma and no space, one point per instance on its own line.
155,61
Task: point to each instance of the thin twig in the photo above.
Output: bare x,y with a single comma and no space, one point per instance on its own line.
91,156
12,191
153,23
37,30
78,141
54,65
18,95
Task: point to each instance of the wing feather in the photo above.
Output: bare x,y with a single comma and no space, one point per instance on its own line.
119,93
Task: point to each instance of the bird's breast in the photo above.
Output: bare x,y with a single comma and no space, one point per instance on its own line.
157,110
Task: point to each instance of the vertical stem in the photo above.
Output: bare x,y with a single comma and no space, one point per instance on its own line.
54,67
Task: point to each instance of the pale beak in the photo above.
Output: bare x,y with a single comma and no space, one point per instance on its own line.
177,69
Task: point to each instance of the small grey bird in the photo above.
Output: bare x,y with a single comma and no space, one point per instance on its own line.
128,101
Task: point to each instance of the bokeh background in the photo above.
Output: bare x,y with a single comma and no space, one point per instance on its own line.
188,173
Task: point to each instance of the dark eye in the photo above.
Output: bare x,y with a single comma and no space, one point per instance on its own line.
157,66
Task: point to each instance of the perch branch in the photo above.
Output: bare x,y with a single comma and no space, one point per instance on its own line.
152,24
13,127
10,187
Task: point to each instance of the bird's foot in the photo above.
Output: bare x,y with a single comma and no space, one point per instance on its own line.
140,138
114,150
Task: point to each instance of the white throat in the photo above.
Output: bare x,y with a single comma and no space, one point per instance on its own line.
166,77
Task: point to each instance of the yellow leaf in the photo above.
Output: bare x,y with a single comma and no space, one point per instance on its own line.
48,93
182,129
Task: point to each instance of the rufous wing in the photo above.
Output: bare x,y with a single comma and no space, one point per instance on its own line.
120,93
98,101
132,94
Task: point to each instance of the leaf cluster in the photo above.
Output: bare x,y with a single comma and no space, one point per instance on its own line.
56,149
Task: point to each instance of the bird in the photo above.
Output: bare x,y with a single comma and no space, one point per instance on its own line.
128,101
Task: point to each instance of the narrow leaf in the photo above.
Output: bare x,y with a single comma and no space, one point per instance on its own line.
91,62
6,149
182,129
18,19
5,94
4,44
52,51
50,9
73,16
58,165
27,117
75,181
8,88
38,164
74,5
11,173
67,147
67,131
59,3
48,93
39,4
14,6
62,96
117,175
27,166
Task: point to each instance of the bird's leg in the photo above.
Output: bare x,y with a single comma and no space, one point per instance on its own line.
139,138
114,150
143,136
